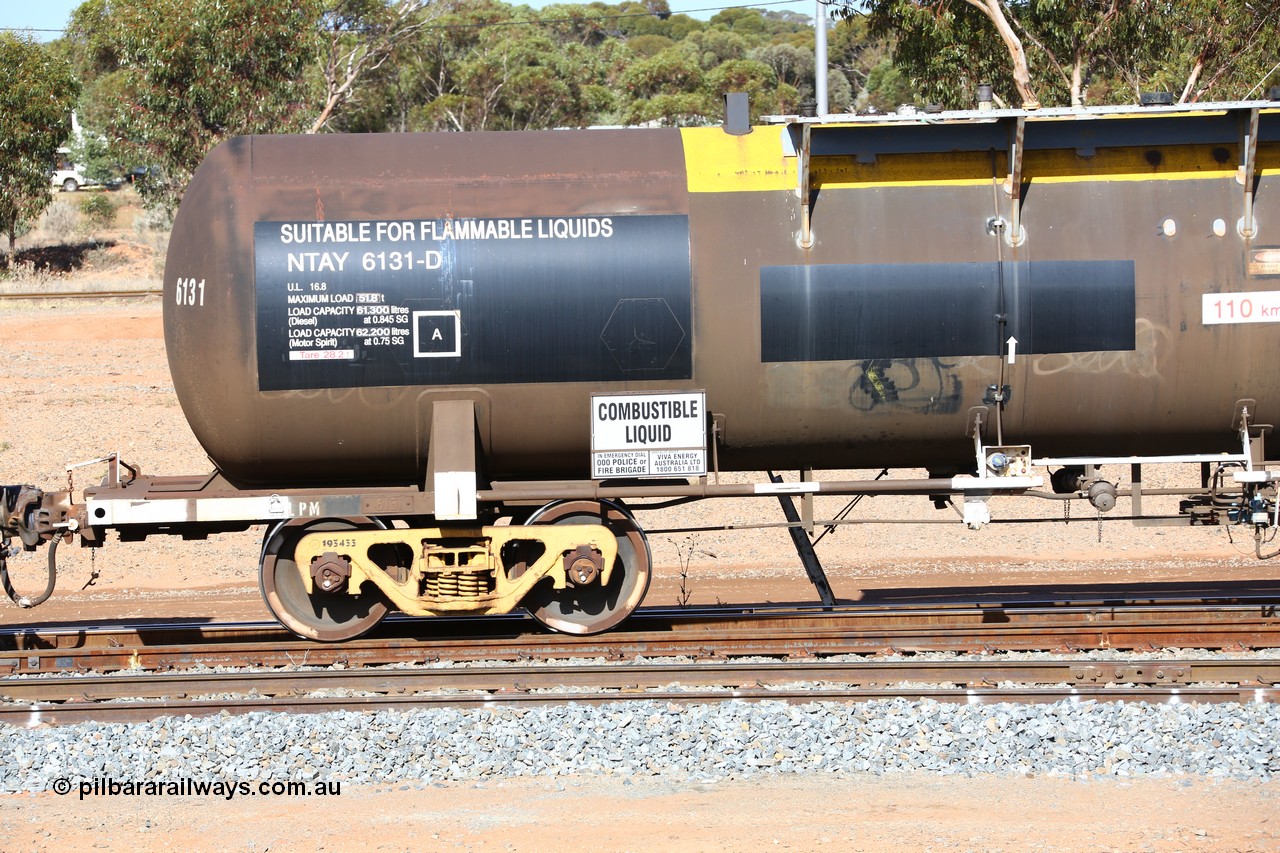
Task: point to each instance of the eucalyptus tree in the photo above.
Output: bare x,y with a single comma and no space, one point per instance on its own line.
190,73
357,37
1221,50
37,93
490,66
1078,51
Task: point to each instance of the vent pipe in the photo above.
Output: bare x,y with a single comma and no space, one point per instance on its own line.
737,114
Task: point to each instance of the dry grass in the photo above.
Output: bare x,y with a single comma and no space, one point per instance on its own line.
59,224
69,251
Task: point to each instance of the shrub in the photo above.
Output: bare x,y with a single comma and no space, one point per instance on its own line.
61,221
32,279
99,209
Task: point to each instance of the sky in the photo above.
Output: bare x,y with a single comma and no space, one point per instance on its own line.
47,17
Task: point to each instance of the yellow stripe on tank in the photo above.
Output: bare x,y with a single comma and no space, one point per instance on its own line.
1167,163
717,162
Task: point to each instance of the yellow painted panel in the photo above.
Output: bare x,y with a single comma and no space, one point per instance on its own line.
717,162
1169,163
961,168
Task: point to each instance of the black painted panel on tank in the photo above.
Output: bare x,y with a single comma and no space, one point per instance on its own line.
472,301
839,312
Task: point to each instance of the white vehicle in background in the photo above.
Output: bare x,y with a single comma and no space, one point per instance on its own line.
67,175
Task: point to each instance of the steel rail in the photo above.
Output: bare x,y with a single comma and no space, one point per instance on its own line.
796,634
82,294
646,676
41,713
890,604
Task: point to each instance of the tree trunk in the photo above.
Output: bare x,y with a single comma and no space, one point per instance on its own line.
1192,79
1077,81
325,112
1021,74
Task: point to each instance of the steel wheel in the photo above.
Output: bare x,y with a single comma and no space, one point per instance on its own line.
593,609
329,617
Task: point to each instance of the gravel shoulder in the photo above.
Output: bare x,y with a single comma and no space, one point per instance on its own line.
81,381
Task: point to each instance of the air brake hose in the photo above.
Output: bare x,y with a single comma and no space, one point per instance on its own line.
23,601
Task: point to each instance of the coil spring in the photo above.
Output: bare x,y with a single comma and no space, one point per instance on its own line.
462,584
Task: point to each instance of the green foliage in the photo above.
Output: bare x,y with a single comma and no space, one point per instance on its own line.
649,45
486,65
887,87
757,80
99,210
675,110
482,67
194,72
653,18
742,21
37,92
92,153
356,39
945,48
1218,49
1080,51
671,72
166,80
789,63
714,47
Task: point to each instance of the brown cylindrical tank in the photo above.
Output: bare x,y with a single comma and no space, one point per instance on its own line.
322,293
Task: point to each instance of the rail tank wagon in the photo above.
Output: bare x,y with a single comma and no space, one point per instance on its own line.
390,344
325,292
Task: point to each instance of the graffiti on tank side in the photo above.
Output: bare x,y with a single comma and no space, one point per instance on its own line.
1151,342
926,385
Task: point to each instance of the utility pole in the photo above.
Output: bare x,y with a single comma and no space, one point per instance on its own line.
820,56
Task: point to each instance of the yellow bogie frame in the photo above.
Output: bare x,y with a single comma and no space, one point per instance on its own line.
466,561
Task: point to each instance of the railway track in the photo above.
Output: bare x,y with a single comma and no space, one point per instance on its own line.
717,656
131,698
1238,623
81,294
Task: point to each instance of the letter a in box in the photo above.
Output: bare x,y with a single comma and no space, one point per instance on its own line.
437,334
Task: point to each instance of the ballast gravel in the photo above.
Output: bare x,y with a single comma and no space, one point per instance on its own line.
709,742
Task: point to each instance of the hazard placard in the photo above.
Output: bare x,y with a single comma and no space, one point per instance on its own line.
649,435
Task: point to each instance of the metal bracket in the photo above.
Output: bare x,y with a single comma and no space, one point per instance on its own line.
717,438
974,422
804,546
806,210
997,395
114,464
1252,435
976,512
1159,673
806,502
451,459
1135,490
1013,184
1248,164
